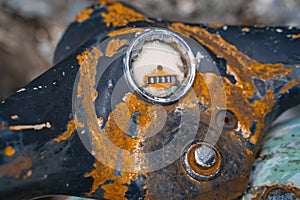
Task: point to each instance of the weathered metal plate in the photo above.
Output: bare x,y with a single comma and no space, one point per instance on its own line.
47,146
278,166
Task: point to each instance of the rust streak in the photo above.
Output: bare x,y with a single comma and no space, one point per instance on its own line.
71,127
16,167
29,127
288,86
101,149
113,46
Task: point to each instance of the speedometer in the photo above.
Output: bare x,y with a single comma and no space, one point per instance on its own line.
160,65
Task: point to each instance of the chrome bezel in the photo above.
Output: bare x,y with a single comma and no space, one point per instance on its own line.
186,84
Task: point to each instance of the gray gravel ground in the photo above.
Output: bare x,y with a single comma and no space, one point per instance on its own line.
271,12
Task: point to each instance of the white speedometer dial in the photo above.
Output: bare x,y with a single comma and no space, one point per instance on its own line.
160,66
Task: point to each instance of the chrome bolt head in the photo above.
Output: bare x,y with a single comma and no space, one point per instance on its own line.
205,156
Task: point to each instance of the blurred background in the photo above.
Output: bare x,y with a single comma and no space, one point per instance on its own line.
30,29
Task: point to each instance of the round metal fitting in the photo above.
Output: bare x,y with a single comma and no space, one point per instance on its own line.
201,161
205,157
226,119
279,193
160,65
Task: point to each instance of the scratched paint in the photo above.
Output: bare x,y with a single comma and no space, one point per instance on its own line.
36,127
14,117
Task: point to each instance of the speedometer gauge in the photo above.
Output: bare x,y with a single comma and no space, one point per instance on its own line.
160,65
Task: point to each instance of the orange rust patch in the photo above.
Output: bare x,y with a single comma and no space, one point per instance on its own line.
125,31
14,117
243,69
71,127
297,36
113,46
9,151
115,190
101,146
84,15
28,127
120,15
16,167
81,58
249,152
119,120
215,25
246,30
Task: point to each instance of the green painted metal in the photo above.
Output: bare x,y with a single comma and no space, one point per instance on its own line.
279,161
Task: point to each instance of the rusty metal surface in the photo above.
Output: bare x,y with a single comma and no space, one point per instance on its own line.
257,70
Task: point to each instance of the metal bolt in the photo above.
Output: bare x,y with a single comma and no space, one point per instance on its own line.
201,161
205,156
